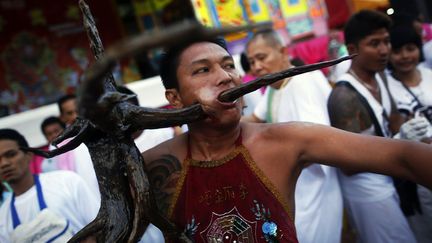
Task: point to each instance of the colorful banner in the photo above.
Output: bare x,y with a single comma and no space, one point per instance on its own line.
292,8
259,11
202,12
230,12
317,8
44,49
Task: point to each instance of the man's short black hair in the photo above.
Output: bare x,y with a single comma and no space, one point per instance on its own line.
244,62
51,120
363,24
63,99
11,134
170,61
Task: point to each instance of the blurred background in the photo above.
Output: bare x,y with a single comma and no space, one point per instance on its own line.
44,50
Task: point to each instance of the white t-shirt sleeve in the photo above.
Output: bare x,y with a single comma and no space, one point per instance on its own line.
306,99
4,221
261,109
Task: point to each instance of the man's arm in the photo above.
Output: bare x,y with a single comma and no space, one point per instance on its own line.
361,153
163,171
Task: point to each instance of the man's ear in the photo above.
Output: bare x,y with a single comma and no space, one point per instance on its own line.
173,97
352,48
285,54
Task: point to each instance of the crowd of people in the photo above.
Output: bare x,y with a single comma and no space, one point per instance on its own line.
269,167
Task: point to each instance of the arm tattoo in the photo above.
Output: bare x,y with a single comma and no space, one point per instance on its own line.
163,174
346,111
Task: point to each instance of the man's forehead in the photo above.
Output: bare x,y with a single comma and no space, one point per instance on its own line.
7,145
202,51
380,33
256,46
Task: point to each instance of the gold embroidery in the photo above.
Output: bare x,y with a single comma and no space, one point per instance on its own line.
243,191
223,194
178,188
215,163
249,161
258,172
207,198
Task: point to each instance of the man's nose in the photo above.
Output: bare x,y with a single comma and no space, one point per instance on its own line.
256,67
384,48
224,77
3,162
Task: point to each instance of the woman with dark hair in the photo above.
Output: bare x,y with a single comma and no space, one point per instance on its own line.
410,84
411,87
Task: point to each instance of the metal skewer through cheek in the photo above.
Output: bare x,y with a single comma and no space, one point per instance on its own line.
233,94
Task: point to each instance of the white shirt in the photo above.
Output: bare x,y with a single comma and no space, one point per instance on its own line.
65,193
78,161
152,137
404,100
318,199
368,187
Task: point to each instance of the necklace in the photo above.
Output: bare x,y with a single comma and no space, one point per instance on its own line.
375,90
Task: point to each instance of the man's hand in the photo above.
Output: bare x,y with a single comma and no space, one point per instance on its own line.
415,129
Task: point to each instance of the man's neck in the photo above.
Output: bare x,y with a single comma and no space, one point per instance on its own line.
24,184
364,75
212,144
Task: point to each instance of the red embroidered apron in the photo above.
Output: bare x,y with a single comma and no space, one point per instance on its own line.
230,200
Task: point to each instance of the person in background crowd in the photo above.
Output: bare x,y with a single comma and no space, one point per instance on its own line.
46,207
77,160
51,127
360,103
300,98
250,100
411,87
68,108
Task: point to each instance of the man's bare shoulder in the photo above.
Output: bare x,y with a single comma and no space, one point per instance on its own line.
346,110
277,134
163,166
175,147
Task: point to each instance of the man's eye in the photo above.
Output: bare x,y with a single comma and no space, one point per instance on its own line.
230,66
200,70
10,154
261,57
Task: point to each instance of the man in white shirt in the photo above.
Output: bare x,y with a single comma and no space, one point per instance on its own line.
40,204
318,213
360,103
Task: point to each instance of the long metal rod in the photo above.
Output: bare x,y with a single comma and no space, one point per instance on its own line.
237,92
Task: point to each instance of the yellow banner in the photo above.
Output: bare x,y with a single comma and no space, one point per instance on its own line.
292,8
258,11
230,12
202,12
